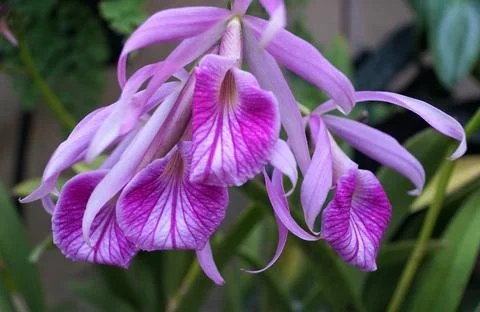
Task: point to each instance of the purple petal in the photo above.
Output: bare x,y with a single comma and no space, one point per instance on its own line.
48,204
282,240
276,194
442,122
318,180
108,243
7,33
379,146
284,161
270,77
71,151
161,209
205,259
278,19
356,219
241,6
303,59
170,25
235,124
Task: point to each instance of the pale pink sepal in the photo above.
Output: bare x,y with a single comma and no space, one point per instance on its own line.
207,263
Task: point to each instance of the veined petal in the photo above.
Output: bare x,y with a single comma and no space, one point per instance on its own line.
108,243
278,19
161,209
69,152
236,124
241,6
379,146
169,25
319,178
442,122
284,161
356,219
303,59
270,77
207,263
276,194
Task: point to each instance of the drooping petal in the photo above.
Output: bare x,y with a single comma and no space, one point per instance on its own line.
108,244
318,180
282,241
379,146
170,25
278,19
442,122
161,209
48,204
356,219
241,6
270,77
284,161
236,124
207,263
7,33
71,151
303,59
276,194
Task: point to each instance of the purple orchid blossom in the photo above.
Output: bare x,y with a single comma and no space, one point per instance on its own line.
4,28
176,145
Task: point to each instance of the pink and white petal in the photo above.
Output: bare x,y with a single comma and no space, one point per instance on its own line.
69,152
278,19
241,6
356,219
284,161
170,25
207,263
278,199
161,209
379,146
235,123
442,122
7,33
108,244
304,59
319,178
282,241
270,77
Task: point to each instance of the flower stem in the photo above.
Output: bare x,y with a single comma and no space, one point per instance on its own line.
50,98
429,224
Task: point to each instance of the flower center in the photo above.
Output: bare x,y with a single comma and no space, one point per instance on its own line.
228,90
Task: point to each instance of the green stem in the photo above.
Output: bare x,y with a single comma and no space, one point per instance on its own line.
50,98
428,226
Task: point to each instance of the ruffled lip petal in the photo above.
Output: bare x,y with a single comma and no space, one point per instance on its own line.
108,244
356,219
161,209
235,124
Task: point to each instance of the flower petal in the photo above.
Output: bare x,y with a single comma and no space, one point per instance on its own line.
379,146
241,6
161,209
71,151
278,19
442,122
284,161
108,243
207,263
7,33
318,180
170,25
303,59
356,219
235,124
270,77
276,194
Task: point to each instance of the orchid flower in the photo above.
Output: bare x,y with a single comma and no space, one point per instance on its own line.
4,29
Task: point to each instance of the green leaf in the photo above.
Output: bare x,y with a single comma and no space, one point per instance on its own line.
430,149
123,15
14,253
339,54
442,280
6,304
398,253
99,297
120,283
456,44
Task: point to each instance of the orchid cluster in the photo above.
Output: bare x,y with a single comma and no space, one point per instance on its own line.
177,139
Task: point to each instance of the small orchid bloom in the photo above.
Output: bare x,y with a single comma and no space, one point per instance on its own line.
354,222
4,28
